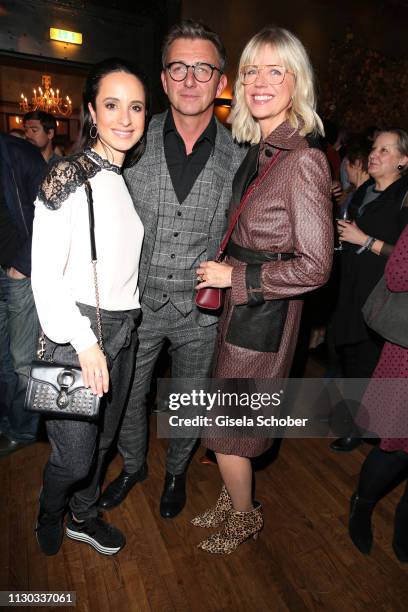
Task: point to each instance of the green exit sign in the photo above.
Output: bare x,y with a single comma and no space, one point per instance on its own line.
66,36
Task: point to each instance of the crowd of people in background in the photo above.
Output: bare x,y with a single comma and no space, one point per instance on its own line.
181,171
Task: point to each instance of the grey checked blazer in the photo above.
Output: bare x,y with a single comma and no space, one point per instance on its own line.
143,181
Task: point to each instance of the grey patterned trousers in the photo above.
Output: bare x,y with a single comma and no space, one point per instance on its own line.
78,448
191,350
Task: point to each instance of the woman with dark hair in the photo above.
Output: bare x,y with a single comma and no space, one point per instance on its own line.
355,167
379,209
66,297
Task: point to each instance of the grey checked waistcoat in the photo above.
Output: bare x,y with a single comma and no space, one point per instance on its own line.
147,181
181,241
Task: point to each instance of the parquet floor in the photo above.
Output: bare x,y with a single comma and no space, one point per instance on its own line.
302,561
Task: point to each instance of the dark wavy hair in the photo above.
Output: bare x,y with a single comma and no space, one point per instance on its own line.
47,120
358,149
97,73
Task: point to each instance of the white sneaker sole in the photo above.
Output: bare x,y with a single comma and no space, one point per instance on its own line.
83,537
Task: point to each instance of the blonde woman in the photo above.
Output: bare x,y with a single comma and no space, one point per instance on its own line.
280,249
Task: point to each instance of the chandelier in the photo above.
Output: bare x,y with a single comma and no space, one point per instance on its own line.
47,100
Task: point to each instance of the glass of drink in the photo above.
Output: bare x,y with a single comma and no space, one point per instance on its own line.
343,216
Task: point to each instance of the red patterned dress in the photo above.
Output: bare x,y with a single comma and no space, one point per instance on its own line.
387,404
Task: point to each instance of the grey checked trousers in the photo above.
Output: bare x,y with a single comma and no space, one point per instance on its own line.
191,351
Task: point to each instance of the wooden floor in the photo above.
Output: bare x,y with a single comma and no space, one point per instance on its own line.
303,560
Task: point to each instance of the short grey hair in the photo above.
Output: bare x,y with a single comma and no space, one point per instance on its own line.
402,138
402,143
193,30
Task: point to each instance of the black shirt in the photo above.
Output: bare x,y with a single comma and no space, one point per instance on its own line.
184,169
9,237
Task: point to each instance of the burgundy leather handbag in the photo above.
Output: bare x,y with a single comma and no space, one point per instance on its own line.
212,298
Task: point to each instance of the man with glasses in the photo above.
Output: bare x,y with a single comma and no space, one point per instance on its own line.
181,189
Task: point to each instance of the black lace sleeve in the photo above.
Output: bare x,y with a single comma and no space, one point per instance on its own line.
64,178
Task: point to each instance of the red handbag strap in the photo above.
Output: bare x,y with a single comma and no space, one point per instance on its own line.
244,200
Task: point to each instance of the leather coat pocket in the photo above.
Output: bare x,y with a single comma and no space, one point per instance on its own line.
259,327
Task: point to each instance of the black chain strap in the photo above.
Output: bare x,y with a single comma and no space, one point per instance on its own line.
94,261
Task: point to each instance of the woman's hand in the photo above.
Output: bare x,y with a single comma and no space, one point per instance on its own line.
350,232
94,370
212,274
336,190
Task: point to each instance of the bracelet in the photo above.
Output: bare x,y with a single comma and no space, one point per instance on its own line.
367,245
371,247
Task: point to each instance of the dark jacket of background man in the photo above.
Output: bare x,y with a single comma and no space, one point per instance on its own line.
22,169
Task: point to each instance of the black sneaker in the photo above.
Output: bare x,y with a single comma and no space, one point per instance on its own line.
105,538
49,531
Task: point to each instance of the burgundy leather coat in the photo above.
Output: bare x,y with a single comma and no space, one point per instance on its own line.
290,212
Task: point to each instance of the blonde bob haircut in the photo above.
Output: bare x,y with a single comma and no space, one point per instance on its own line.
294,58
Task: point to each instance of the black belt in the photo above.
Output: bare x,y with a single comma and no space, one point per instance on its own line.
255,257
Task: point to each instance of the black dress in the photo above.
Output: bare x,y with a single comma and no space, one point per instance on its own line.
384,218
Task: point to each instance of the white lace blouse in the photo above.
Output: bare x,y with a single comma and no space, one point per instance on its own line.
62,271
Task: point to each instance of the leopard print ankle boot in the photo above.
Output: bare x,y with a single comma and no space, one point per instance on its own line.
238,527
214,516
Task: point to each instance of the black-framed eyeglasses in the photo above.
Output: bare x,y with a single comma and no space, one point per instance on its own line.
202,72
